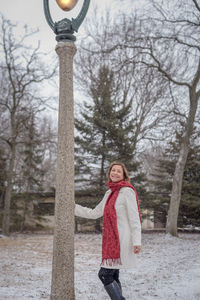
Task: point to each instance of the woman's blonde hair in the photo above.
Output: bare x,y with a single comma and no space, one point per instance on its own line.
125,172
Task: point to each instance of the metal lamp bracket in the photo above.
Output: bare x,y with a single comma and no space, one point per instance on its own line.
65,28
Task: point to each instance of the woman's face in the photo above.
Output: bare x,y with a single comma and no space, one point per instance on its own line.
116,173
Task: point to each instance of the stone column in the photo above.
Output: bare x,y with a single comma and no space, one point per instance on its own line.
62,286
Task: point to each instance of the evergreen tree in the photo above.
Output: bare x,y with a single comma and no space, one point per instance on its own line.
190,199
2,176
162,182
31,174
104,132
160,187
32,154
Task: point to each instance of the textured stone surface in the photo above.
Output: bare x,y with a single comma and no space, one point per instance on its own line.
63,245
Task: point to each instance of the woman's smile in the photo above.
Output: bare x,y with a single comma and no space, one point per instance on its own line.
116,173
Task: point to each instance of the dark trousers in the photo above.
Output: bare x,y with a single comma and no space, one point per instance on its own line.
107,276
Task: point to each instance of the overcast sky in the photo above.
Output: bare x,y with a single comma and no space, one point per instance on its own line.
30,12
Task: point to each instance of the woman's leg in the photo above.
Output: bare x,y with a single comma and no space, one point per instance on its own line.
110,280
116,276
107,276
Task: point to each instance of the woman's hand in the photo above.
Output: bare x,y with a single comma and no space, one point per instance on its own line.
136,249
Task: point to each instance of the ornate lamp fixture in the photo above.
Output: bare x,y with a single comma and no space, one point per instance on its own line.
65,28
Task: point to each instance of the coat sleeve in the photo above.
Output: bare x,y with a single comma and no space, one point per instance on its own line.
133,217
89,213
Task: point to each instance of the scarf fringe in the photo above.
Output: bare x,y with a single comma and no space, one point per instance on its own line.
111,262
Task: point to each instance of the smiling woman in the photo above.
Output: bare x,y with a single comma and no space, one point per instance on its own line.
121,228
117,172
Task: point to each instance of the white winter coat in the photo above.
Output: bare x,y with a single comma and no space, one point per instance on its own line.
128,224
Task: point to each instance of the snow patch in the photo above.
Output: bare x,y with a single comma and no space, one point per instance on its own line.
168,268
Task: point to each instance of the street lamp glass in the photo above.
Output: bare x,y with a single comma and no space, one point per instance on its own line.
66,4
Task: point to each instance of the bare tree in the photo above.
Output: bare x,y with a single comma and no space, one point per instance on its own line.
167,41
21,72
146,87
162,36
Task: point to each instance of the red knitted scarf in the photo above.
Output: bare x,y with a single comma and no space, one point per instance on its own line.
110,241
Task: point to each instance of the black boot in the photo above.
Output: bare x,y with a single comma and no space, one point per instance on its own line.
114,291
120,286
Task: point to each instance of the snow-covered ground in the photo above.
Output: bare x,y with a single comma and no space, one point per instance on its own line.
168,268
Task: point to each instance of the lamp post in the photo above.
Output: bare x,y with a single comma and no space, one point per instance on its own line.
62,285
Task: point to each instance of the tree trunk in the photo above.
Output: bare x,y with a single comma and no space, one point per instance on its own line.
101,184
25,210
7,200
180,166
